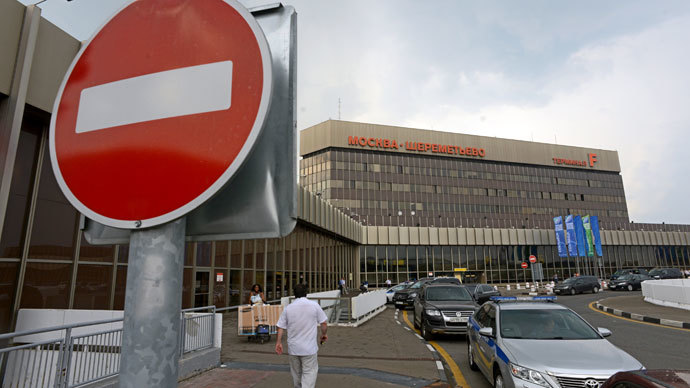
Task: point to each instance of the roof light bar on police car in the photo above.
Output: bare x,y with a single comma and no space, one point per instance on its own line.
523,299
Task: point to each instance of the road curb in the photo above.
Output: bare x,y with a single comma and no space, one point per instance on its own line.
643,318
442,372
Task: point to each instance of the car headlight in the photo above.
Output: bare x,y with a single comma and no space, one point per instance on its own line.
433,312
413,295
623,283
528,375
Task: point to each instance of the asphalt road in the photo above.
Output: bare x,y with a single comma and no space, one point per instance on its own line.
655,347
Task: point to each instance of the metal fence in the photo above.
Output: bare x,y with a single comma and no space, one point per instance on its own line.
55,357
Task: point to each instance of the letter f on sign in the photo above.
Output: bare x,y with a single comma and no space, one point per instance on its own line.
592,159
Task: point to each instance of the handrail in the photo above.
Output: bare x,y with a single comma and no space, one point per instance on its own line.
56,328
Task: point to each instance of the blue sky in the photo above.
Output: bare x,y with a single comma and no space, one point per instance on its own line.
604,74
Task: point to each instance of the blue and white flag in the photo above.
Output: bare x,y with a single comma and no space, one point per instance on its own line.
580,236
570,235
560,236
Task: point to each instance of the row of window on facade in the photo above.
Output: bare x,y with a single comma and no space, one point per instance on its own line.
502,264
446,209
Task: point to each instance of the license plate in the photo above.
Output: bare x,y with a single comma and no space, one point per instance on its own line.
398,302
458,319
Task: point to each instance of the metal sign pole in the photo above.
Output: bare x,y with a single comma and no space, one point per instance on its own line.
153,298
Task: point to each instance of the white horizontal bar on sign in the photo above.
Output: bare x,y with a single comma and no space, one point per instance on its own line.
171,93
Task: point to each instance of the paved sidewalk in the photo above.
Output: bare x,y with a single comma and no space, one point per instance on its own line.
375,354
634,306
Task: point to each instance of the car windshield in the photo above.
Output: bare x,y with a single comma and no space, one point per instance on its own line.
448,293
559,324
626,277
569,280
655,272
621,272
417,285
399,287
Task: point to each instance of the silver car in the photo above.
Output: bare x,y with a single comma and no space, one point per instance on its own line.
537,343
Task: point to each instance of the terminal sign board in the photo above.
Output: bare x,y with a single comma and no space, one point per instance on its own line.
159,110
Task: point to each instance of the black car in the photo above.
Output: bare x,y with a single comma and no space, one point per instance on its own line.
482,292
405,298
666,273
578,285
628,271
446,280
443,309
628,282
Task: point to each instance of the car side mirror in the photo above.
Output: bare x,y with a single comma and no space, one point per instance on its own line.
604,331
487,332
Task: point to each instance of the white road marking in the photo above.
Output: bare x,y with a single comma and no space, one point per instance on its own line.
439,365
407,328
171,93
419,336
431,348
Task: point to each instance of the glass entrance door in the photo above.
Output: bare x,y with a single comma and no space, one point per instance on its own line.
201,288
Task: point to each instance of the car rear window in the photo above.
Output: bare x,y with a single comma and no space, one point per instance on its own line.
545,324
448,293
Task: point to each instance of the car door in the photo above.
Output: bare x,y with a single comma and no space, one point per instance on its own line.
486,345
579,285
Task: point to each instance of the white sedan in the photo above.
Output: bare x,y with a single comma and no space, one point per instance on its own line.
391,291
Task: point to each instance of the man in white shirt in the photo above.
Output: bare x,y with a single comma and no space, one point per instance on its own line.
301,318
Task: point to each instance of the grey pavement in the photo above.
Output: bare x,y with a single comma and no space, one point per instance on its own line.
377,353
635,304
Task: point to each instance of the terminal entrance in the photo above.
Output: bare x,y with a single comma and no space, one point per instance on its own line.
469,277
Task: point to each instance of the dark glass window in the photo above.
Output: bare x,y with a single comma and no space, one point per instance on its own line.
11,243
55,222
46,286
92,290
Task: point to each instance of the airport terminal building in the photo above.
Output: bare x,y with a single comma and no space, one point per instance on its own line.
434,201
375,203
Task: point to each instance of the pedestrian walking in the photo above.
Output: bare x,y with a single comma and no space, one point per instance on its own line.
341,286
388,283
301,318
555,279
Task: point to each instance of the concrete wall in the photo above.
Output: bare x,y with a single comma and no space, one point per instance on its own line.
671,292
401,235
54,52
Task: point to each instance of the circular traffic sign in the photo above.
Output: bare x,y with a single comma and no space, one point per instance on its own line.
160,109
532,259
523,265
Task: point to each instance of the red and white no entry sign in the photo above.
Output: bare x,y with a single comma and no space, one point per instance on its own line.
159,110
523,265
532,259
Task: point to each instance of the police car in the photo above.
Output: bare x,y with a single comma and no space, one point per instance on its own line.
534,342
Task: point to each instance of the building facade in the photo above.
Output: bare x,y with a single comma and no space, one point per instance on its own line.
493,199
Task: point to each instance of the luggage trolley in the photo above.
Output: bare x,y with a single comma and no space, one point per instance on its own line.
258,321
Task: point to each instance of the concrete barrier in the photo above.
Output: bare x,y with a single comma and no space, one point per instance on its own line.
670,293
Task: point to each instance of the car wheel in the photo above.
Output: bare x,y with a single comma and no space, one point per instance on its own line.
498,380
630,287
595,290
572,291
426,333
470,357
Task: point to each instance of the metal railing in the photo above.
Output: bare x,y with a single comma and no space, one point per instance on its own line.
197,331
55,357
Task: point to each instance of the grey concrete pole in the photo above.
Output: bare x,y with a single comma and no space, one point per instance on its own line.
150,340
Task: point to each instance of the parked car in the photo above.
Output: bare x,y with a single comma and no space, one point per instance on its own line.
443,308
538,343
391,291
482,292
578,285
655,378
628,271
405,297
666,273
446,280
628,282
